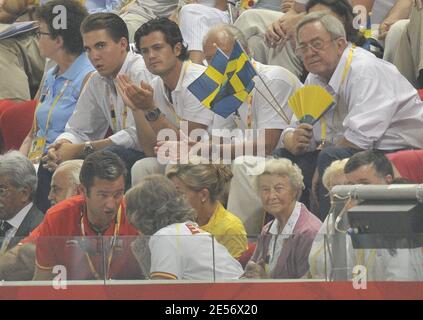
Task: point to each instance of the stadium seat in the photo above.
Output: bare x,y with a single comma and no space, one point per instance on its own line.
15,122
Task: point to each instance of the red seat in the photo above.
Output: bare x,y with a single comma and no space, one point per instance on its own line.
15,122
420,91
409,164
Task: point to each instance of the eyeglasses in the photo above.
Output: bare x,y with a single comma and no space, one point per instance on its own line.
316,45
40,33
3,191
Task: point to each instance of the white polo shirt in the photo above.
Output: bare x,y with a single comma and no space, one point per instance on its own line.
181,104
183,251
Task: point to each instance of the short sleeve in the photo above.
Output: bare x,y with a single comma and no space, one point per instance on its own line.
166,260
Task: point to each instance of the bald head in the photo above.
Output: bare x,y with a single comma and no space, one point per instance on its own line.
222,36
65,181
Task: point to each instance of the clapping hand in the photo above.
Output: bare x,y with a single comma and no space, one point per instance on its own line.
135,97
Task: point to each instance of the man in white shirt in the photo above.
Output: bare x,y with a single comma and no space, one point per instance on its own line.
375,106
166,102
18,215
100,107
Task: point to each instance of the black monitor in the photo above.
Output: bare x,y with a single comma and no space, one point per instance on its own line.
385,217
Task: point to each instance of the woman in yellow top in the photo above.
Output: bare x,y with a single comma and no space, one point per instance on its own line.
203,186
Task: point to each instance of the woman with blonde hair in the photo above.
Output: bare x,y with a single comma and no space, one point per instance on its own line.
284,245
203,186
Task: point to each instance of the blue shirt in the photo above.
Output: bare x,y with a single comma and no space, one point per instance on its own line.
102,5
64,107
274,5
99,5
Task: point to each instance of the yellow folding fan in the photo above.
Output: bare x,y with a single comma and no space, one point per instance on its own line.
310,103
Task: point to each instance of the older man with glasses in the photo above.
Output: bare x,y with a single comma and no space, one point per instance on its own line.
18,215
375,106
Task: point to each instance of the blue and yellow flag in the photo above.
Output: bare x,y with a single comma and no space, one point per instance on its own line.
226,83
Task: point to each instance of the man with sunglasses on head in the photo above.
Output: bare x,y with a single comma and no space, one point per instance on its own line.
375,106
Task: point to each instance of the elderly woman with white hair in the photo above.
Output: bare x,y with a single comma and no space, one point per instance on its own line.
179,249
282,249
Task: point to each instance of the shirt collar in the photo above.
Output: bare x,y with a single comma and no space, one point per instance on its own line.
20,216
216,215
184,69
336,79
75,69
290,224
334,84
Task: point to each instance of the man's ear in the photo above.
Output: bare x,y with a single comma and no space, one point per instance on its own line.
177,49
25,196
123,42
341,44
83,191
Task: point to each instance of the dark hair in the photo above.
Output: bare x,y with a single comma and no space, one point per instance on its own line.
376,158
71,35
113,24
343,9
103,165
170,30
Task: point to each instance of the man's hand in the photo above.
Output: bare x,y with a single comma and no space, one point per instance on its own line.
281,30
255,270
53,157
298,141
135,97
275,34
418,4
175,151
384,28
286,5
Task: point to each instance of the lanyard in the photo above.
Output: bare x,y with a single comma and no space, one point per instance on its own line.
109,259
361,257
53,105
170,104
113,113
344,76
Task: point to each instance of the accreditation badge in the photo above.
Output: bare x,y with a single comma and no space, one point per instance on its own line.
37,149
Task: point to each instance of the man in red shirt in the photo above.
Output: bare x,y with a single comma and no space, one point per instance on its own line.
83,233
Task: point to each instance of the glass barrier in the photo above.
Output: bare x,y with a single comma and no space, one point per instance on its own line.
374,257
202,257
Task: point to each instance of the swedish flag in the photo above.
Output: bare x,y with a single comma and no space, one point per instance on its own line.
226,83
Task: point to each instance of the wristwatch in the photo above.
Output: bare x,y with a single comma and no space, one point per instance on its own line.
153,115
88,148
